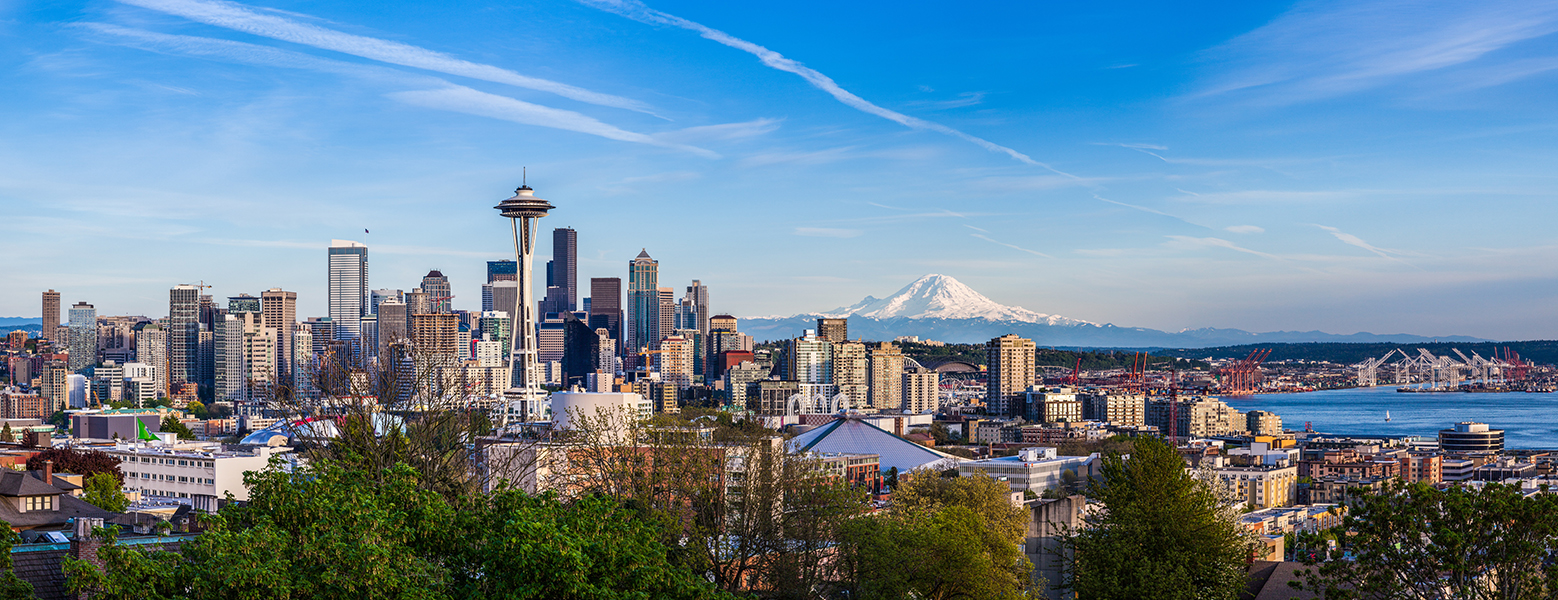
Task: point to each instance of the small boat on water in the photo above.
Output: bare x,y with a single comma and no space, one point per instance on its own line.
1387,416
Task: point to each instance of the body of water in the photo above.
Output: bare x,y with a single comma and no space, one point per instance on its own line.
1528,420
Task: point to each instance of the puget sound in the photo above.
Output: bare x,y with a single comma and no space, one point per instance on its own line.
1529,420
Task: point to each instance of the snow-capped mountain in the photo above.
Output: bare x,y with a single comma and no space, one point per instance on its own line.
942,308
937,296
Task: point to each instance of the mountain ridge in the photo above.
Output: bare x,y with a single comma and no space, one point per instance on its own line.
942,308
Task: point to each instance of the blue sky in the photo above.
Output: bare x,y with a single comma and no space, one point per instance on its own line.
1341,166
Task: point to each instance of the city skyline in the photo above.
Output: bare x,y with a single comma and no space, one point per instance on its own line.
1265,167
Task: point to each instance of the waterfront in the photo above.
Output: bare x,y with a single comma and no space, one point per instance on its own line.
1527,419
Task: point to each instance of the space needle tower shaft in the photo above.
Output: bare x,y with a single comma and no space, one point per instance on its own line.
522,210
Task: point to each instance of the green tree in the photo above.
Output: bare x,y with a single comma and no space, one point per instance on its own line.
6,435
102,491
197,409
943,538
1162,533
1414,541
11,586
326,532
172,425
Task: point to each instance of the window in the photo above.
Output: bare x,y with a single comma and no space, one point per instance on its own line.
40,503
181,463
183,480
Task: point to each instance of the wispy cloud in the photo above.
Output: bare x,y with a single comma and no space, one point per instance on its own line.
475,102
1353,240
1012,246
962,100
722,132
239,17
1327,48
1211,242
826,232
638,11
446,96
1244,229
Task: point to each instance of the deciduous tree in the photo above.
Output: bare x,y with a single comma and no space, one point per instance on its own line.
80,462
102,491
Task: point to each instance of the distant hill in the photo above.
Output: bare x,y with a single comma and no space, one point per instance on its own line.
1539,351
31,325
938,307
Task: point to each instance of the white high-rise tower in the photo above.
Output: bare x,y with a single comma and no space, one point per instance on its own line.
525,398
348,288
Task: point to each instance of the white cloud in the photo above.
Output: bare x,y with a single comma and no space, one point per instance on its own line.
1012,246
1320,49
239,17
638,11
1244,229
1210,242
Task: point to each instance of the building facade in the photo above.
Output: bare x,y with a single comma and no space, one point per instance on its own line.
885,372
83,337
348,288
1011,367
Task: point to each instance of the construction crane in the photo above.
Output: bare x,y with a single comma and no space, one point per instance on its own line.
1242,378
1368,370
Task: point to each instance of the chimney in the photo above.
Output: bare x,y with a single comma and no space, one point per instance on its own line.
48,472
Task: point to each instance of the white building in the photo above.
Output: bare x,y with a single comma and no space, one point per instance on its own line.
200,472
1035,469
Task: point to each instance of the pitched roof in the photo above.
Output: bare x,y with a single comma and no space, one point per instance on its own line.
69,507
644,253
17,483
41,568
854,436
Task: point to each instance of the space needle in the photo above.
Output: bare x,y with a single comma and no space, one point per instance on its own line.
522,210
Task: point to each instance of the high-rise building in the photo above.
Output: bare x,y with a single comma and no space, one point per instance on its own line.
377,297
394,324
303,365
921,389
606,305
809,359
886,375
697,305
243,303
549,338
674,361
227,371
83,337
348,287
833,330
1010,372
722,323
502,270
565,267
280,311
496,326
51,316
850,373
504,294
439,297
183,336
151,348
667,314
419,302
56,383
643,306
436,336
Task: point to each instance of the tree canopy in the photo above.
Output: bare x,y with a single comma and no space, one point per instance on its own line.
102,491
11,586
80,462
1161,534
330,533
173,425
1417,542
957,537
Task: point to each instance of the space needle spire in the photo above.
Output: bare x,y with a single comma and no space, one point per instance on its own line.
522,210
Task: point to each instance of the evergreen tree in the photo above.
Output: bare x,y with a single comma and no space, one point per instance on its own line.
1161,534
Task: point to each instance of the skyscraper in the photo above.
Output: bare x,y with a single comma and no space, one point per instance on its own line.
886,367
850,373
502,270
280,312
83,337
439,297
809,359
643,309
697,299
51,317
151,348
1011,369
394,324
565,266
348,287
667,314
379,296
606,305
833,330
183,335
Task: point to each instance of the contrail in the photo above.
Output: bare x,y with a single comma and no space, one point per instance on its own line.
238,17
638,11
